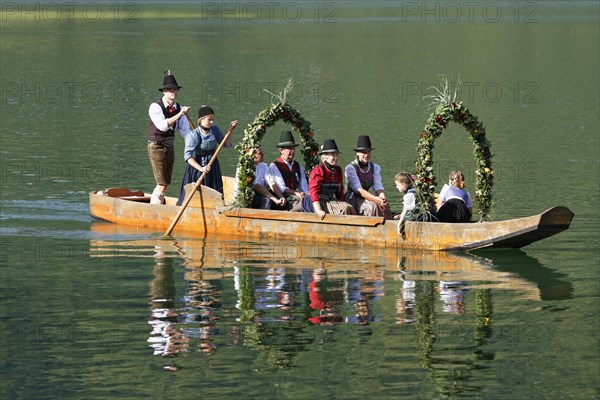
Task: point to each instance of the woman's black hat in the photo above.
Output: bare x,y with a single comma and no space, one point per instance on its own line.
329,146
204,111
364,143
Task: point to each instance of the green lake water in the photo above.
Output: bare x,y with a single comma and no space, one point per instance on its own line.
90,310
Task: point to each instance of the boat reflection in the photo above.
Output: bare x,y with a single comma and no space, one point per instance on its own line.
552,285
284,298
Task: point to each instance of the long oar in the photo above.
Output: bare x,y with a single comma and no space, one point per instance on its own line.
190,121
197,185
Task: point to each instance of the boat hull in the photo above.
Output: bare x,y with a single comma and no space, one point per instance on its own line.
208,214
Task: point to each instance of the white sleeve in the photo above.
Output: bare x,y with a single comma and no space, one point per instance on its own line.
408,201
261,172
275,177
157,117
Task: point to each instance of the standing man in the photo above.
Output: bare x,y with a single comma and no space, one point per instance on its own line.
165,116
287,178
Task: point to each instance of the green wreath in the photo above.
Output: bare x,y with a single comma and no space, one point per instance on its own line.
449,110
253,135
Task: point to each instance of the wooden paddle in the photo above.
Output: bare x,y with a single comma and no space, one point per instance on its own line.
190,121
197,185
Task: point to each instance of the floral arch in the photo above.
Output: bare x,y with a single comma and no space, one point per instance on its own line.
253,135
448,110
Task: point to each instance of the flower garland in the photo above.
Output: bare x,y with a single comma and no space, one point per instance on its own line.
449,110
253,135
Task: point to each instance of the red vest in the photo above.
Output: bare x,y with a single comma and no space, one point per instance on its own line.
291,178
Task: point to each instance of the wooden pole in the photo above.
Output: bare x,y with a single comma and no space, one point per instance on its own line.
190,121
197,185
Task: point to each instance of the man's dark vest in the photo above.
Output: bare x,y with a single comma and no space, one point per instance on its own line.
156,135
365,178
291,178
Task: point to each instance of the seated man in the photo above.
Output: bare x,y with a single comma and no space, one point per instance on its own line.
287,178
263,197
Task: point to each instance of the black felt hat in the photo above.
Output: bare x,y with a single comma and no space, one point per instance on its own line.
169,82
329,146
286,140
204,111
364,143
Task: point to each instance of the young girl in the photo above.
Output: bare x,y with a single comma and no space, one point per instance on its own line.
404,183
456,204
200,145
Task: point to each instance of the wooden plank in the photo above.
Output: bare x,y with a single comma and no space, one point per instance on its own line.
288,216
228,193
205,197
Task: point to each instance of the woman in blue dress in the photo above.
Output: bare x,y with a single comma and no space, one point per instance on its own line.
200,146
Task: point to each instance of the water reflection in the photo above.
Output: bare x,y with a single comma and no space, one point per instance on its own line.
199,311
453,364
325,297
163,315
552,285
281,299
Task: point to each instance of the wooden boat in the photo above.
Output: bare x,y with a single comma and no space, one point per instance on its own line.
209,212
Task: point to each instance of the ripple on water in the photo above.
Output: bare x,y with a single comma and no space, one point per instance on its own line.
45,218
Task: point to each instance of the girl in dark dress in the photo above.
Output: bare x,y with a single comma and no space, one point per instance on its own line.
456,204
200,146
